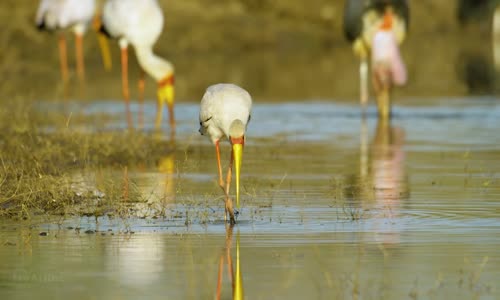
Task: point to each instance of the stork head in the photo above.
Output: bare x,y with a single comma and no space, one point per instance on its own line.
166,94
387,65
166,89
387,19
237,139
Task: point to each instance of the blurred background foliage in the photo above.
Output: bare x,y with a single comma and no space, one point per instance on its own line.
277,49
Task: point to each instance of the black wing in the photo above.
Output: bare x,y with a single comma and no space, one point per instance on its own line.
355,9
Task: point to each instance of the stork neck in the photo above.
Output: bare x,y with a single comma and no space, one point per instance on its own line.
154,65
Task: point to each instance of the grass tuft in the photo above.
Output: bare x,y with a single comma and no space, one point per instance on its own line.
40,157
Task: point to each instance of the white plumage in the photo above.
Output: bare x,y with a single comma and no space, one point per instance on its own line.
220,106
140,23
63,14
225,112
67,14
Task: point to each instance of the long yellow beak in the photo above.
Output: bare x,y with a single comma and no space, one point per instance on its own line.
103,43
165,94
105,52
238,154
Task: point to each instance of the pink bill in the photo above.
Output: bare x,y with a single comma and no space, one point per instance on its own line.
385,50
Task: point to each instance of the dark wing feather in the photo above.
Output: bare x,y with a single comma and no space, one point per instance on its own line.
355,9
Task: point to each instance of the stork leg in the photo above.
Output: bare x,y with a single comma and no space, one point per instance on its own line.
384,104
221,182
125,90
363,82
80,67
63,58
171,117
219,167
363,153
142,86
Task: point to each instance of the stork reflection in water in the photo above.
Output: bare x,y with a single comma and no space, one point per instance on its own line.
383,179
236,279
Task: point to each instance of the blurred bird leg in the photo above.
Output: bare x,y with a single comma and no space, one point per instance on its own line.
125,90
80,67
63,57
382,83
142,86
360,48
363,83
363,160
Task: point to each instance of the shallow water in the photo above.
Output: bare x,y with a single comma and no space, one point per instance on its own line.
334,206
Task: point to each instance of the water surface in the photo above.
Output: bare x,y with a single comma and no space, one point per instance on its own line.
334,207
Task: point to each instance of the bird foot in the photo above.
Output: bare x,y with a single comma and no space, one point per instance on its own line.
230,210
233,217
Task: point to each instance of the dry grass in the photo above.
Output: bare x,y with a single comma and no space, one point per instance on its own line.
36,167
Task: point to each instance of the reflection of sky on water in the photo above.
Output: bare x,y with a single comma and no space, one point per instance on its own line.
469,122
431,127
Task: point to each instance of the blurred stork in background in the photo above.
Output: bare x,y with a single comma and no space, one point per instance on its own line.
376,28
479,74
480,10
58,15
140,23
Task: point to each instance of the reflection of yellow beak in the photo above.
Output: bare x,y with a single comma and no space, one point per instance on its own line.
238,284
238,153
166,164
165,94
103,43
